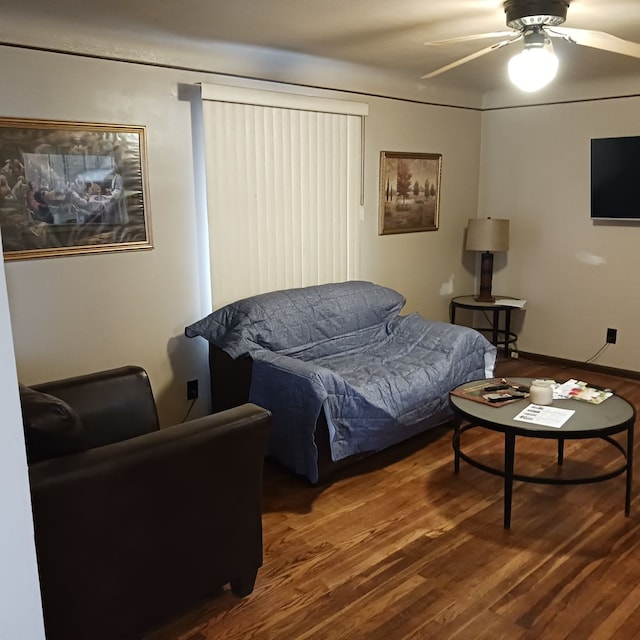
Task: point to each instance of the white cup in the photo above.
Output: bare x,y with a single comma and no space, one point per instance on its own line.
541,392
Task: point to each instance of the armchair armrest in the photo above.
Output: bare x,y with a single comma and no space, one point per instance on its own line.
131,532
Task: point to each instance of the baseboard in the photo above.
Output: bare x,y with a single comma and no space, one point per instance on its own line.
623,373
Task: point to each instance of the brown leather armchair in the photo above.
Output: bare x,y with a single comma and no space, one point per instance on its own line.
137,524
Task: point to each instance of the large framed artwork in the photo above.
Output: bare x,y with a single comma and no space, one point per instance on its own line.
71,188
409,192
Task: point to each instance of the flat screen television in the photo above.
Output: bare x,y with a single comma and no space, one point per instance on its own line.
615,178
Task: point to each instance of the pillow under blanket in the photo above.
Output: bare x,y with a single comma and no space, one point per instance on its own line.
298,318
51,427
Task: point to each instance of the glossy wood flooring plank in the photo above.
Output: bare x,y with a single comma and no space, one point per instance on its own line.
401,548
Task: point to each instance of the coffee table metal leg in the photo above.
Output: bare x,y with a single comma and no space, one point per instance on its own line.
560,451
627,497
509,454
457,422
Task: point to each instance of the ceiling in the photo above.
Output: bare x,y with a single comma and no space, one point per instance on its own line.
376,33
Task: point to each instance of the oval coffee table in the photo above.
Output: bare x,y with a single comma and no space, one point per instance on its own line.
614,415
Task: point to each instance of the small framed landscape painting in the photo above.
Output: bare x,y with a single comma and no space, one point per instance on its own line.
409,192
71,188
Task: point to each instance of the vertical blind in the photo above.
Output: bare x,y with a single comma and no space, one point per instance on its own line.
283,191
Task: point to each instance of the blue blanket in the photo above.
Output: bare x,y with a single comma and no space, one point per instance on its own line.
379,377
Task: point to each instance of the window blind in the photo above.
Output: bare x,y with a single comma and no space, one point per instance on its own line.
283,181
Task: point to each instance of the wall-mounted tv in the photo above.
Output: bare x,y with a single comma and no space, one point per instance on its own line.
615,178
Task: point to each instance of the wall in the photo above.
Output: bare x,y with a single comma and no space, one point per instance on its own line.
76,314
20,609
578,276
430,267
81,313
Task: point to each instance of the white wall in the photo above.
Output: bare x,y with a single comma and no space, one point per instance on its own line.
124,42
429,267
72,315
579,277
20,609
77,314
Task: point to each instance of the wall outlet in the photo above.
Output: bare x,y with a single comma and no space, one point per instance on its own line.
192,389
612,336
514,355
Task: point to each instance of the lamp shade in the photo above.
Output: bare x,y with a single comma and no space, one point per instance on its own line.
488,234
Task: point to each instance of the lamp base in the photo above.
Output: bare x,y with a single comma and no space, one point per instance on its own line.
486,276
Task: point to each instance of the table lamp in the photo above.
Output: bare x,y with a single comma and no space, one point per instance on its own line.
487,235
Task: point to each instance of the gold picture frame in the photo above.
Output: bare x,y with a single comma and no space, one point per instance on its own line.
70,188
409,192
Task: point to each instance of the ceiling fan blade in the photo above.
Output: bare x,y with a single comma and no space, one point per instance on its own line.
597,40
476,36
473,56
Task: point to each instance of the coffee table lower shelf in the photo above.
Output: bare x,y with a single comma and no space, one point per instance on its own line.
509,474
614,416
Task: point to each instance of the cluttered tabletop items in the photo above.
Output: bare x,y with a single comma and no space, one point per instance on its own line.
498,392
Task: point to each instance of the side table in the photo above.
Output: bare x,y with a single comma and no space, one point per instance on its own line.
499,337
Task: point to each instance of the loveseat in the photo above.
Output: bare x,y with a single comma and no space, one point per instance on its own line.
343,373
135,524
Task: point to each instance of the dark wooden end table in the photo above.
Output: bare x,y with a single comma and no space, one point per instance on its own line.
499,337
614,415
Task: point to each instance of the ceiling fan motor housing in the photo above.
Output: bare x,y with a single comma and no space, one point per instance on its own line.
527,13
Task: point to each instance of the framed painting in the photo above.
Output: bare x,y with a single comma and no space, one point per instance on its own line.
409,192
71,188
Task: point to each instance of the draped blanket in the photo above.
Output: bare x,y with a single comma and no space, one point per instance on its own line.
344,349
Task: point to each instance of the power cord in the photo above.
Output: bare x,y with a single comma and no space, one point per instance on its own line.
591,359
186,415
597,353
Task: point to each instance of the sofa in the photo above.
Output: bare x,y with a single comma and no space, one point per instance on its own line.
136,524
343,373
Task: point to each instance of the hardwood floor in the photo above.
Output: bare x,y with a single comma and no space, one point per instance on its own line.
402,548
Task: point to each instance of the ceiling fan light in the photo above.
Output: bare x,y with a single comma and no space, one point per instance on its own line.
533,68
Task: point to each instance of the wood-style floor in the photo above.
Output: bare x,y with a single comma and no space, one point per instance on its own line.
402,548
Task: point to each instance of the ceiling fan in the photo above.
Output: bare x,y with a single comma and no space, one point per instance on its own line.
535,22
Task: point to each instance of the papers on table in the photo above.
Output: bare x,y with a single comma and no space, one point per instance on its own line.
578,390
544,416
510,302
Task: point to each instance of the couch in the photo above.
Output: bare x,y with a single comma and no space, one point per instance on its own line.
135,524
342,371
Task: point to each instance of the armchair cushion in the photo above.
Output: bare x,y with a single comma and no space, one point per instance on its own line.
113,405
51,427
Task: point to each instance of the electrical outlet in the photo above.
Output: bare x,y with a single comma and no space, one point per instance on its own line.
192,389
514,355
612,336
